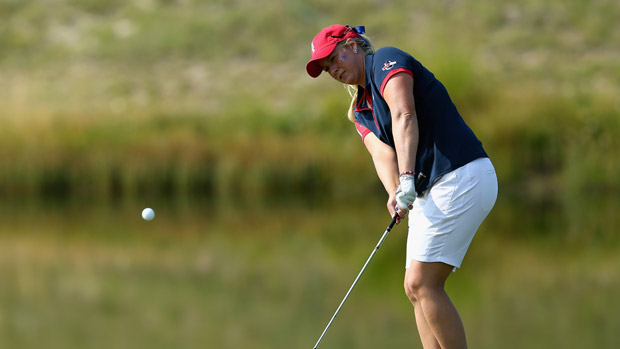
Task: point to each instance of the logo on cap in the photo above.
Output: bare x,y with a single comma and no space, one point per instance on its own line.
312,46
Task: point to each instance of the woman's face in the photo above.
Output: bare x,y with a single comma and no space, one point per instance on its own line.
345,65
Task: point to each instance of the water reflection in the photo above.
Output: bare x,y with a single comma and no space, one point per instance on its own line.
207,274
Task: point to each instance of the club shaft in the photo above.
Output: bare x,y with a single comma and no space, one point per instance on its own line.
385,234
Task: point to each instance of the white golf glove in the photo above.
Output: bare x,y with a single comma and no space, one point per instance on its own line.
405,193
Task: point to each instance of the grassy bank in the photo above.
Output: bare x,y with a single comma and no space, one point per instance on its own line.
177,97
548,153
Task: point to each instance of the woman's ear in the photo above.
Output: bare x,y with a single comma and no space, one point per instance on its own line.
353,45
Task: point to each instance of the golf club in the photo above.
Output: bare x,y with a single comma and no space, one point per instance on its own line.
420,179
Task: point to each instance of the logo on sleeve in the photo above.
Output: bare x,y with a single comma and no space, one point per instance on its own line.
388,65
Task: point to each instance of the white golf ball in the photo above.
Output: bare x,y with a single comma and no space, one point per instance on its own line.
148,214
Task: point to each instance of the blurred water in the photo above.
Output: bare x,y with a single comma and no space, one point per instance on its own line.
90,274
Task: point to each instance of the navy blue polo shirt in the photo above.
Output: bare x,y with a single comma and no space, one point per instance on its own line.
445,141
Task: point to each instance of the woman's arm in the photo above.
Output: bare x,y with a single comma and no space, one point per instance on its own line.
398,94
384,159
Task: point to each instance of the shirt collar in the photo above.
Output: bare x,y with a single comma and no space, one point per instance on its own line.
368,67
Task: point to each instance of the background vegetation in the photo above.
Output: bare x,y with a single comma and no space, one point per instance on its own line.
119,98
266,200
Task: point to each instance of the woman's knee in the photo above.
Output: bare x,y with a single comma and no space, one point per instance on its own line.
422,279
413,283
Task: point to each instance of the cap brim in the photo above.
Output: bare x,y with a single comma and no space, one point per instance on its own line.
312,67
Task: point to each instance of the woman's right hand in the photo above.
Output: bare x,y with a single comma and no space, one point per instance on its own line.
391,205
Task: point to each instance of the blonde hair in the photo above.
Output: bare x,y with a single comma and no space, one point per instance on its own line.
367,47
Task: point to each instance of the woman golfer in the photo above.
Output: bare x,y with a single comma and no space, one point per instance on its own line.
410,126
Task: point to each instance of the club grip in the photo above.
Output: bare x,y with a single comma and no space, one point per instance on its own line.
419,181
394,219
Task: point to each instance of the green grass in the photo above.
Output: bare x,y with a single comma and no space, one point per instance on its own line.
177,97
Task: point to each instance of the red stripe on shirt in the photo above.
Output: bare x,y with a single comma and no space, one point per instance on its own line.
392,73
362,130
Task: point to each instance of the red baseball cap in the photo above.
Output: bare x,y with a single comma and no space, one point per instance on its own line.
324,43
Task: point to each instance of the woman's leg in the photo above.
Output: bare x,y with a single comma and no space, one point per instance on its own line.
438,321
426,334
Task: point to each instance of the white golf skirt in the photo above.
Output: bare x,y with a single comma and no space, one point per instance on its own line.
445,219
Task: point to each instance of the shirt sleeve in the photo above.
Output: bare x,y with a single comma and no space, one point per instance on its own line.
388,62
362,130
